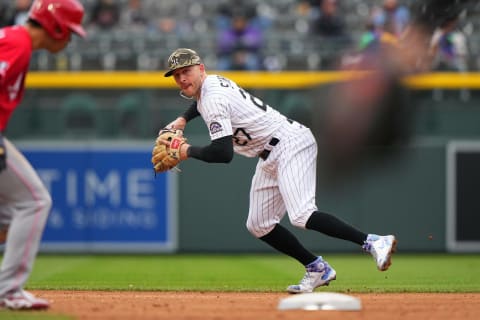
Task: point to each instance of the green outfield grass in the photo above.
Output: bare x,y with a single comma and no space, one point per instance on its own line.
355,273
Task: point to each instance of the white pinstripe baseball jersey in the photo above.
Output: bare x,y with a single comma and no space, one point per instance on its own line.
228,109
285,181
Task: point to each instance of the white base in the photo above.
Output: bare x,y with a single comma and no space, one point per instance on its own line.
320,301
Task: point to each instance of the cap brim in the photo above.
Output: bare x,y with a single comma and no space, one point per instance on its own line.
78,29
170,72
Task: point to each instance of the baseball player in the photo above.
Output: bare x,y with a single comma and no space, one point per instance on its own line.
285,176
24,200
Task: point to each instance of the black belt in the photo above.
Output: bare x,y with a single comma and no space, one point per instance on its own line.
273,142
265,153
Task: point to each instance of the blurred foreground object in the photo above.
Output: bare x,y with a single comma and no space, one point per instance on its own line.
365,116
369,116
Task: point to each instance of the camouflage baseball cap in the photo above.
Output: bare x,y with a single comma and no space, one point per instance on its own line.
180,58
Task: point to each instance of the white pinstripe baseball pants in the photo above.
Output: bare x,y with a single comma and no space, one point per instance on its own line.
285,181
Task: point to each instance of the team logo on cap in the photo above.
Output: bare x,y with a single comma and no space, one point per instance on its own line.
180,58
183,59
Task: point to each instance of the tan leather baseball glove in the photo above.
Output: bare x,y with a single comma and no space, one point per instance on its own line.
166,152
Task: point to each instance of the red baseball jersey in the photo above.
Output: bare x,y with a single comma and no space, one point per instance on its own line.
15,54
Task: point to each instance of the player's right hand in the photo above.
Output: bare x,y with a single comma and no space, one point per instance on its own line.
177,124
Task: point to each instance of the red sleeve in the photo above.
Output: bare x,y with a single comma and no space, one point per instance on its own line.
15,52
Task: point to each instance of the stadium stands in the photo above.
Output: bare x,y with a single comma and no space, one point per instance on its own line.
288,44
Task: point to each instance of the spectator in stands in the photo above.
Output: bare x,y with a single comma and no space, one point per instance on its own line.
167,25
309,9
449,52
391,17
134,15
449,47
170,25
329,22
375,39
239,46
105,14
18,13
223,18
373,44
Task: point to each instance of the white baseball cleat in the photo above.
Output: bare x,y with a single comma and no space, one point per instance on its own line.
21,300
381,248
318,273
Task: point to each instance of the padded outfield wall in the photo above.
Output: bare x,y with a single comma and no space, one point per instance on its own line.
426,195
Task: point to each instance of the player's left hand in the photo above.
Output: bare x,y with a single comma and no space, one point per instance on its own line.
167,152
3,154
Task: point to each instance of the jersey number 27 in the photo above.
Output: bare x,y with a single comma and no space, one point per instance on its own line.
240,136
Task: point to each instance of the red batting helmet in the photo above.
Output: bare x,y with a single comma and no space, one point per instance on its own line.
58,17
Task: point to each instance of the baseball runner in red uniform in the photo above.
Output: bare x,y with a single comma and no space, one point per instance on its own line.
24,201
285,176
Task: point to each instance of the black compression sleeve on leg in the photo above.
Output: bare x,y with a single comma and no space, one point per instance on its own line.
334,227
284,241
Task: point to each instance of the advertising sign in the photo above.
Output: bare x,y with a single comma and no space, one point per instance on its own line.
106,198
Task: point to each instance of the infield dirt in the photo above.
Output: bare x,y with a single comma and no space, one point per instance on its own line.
83,305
